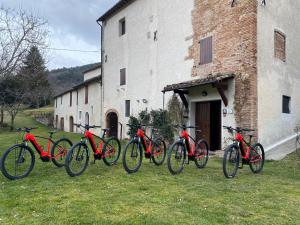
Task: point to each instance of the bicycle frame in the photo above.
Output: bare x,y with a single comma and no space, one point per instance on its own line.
186,140
32,139
89,136
242,143
142,137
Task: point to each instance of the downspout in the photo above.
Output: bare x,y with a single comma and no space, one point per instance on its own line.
102,74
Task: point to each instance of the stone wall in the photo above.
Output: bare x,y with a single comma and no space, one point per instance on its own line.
234,32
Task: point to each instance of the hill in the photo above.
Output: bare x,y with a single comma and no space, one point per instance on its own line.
65,78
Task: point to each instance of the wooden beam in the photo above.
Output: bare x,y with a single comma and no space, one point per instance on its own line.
220,89
182,94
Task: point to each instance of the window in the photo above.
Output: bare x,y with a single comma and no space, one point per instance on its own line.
206,51
56,103
122,27
127,108
280,45
77,97
80,115
286,104
61,100
71,98
86,95
122,76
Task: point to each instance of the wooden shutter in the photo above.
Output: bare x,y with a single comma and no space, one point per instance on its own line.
86,94
280,45
206,51
122,76
127,108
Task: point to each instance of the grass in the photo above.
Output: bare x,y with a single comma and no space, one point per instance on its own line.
104,195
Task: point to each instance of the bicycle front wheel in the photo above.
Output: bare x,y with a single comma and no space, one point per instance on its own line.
112,151
77,160
132,157
257,158
201,154
231,161
176,158
17,162
59,151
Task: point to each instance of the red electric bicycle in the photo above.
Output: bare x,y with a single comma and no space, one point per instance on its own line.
252,154
18,161
154,149
78,157
183,149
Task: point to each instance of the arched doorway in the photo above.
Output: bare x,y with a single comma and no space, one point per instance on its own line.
112,123
87,119
62,123
71,124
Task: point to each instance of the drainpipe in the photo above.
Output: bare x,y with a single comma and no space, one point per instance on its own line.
102,74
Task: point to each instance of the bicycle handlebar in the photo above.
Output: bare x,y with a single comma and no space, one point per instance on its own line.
26,129
86,126
185,127
238,129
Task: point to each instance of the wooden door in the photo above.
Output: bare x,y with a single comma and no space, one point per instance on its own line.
203,120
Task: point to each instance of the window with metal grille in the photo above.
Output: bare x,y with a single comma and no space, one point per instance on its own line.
280,45
86,94
122,27
206,51
127,108
122,76
286,104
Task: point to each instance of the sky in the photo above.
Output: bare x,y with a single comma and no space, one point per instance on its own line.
72,25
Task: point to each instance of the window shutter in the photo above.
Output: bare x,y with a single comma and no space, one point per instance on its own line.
206,51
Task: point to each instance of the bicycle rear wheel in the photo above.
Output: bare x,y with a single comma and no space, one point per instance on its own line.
77,160
158,151
132,157
257,158
17,162
176,158
111,151
231,161
201,154
59,151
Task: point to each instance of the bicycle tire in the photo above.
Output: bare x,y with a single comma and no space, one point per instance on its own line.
53,157
232,150
4,158
157,142
139,157
178,156
70,158
118,152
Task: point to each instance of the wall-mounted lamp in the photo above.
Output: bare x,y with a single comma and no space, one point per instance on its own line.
145,101
204,93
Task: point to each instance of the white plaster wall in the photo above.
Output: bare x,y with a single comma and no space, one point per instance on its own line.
92,74
277,78
150,64
93,108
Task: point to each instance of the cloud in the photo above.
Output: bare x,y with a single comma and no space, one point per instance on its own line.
72,24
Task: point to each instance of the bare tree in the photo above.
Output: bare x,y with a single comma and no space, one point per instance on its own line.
19,32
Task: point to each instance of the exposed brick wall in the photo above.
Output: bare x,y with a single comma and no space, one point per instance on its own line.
234,32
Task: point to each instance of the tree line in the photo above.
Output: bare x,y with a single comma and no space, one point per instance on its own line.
23,73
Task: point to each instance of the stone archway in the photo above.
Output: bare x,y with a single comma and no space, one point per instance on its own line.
112,122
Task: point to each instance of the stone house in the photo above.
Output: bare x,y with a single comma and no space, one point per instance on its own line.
232,62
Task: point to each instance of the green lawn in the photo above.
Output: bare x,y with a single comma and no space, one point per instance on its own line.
104,195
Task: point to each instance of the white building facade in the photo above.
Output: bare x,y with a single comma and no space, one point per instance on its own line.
224,58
